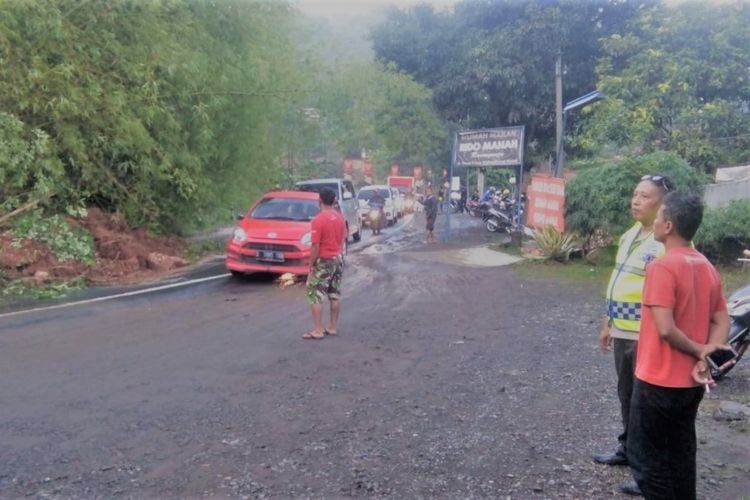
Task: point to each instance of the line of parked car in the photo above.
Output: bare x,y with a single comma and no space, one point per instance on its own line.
275,235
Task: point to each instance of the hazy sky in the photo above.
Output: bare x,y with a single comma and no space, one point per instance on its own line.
334,8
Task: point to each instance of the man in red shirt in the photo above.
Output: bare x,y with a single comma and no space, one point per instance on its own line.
684,320
326,264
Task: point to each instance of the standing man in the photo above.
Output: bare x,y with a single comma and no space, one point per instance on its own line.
430,212
684,320
326,264
619,331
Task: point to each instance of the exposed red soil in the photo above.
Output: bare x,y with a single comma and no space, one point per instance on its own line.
122,255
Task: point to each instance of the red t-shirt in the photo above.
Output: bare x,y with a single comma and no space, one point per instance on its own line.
685,282
329,229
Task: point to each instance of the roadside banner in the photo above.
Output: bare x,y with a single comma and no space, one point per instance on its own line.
348,166
546,205
492,147
417,172
394,169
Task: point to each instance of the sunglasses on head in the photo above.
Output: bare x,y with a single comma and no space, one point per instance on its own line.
659,180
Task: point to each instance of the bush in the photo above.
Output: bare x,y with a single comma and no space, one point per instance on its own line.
65,242
554,244
725,232
599,198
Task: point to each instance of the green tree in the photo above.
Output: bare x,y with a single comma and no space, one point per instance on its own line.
676,79
491,63
155,109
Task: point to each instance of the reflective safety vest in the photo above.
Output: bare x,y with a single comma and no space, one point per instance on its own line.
625,288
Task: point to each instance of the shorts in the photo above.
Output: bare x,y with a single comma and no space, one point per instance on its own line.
324,280
431,222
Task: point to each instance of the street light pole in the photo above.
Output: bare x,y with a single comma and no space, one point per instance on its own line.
571,105
558,114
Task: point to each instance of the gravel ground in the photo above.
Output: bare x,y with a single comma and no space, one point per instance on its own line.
446,381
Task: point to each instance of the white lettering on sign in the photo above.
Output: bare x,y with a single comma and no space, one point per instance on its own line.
541,219
470,146
548,188
495,145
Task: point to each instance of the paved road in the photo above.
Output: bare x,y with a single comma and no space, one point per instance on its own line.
452,377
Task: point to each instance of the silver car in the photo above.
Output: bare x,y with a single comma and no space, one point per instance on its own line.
345,198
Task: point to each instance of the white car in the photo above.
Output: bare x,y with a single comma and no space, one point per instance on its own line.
363,198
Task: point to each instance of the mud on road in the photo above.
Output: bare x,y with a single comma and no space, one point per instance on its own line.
448,380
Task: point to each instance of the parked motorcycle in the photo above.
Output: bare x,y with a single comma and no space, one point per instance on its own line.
503,217
738,307
456,206
478,208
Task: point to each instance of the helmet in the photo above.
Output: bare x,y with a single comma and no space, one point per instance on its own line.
506,192
492,189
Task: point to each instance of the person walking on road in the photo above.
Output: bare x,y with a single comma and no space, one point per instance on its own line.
684,320
326,264
430,204
619,331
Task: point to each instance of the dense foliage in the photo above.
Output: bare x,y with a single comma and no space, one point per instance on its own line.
170,111
725,232
356,104
149,107
491,63
599,198
677,79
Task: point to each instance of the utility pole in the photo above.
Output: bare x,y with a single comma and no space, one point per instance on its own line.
558,116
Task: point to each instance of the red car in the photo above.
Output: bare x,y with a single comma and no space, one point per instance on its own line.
275,235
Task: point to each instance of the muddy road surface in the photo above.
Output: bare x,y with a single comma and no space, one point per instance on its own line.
452,376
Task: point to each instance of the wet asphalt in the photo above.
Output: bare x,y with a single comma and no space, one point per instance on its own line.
447,380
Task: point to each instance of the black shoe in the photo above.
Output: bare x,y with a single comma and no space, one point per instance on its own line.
616,457
631,488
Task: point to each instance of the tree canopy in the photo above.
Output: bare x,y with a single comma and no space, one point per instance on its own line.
159,109
491,63
145,106
677,79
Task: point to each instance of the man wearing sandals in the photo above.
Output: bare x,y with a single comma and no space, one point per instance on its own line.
326,264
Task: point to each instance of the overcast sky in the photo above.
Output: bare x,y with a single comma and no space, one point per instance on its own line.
335,8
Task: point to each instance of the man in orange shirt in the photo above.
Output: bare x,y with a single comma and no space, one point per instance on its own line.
326,264
684,320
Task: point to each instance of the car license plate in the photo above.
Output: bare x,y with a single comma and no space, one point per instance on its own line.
269,256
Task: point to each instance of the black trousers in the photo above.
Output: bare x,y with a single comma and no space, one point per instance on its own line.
624,351
661,440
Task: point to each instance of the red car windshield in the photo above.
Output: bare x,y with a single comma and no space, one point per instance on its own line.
286,209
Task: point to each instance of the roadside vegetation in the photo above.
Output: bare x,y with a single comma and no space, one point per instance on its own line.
166,114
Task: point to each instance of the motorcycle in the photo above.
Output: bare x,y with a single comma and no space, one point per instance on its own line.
478,208
376,219
738,307
456,206
502,217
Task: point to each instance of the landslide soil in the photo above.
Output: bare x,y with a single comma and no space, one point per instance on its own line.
123,255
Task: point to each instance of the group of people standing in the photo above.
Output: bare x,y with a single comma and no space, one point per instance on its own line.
666,313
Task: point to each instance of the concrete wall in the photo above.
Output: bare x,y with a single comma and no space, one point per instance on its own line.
719,195
727,174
